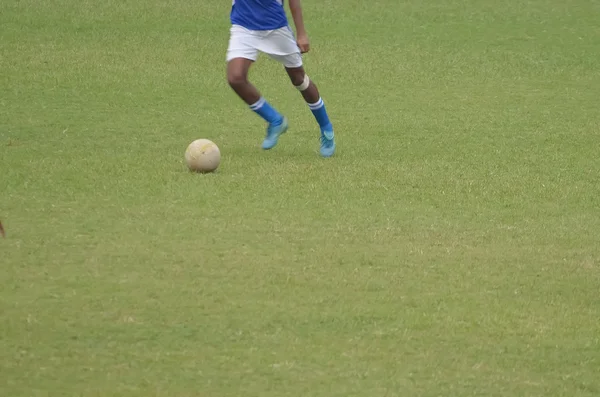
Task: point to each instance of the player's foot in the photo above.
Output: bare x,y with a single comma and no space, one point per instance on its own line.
327,143
273,133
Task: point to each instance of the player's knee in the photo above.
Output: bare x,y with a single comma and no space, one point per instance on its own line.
296,75
302,83
236,78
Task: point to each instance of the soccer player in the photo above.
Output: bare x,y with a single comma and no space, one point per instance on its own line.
262,26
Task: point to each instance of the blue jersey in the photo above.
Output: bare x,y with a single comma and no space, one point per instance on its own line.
259,14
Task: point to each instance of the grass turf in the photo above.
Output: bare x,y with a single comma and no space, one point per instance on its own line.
450,248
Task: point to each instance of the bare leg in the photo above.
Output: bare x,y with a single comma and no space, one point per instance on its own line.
237,76
311,94
316,105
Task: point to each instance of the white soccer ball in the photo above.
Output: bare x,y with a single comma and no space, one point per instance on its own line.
202,156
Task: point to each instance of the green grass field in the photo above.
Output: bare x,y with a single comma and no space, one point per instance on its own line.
450,248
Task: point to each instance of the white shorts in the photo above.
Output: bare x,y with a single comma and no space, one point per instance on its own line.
279,44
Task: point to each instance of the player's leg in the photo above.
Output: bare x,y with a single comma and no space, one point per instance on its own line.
282,47
237,77
241,53
311,95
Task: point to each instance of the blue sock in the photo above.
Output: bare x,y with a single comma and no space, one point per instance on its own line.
318,110
267,112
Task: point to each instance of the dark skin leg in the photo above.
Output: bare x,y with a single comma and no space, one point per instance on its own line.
237,77
311,94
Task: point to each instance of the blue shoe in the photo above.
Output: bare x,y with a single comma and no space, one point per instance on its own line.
273,133
327,143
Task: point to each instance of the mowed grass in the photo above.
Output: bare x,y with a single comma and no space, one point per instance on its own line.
451,248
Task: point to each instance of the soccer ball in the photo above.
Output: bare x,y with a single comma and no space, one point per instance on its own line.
202,156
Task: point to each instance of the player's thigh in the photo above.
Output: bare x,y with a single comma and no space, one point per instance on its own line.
242,44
